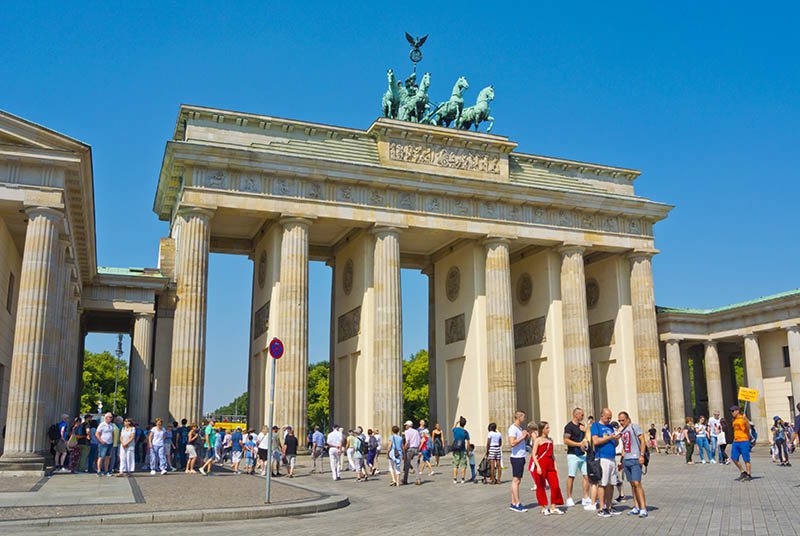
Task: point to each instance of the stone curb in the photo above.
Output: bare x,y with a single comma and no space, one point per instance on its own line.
325,504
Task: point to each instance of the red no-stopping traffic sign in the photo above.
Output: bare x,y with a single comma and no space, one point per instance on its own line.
276,348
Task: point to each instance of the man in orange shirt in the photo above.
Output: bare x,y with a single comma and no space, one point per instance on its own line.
741,443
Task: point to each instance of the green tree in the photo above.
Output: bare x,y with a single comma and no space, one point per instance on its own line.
98,375
415,386
237,407
318,391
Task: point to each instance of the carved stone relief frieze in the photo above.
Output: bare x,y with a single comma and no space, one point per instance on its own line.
529,332
611,224
313,190
346,194
454,329
261,321
539,215
347,277
250,183
376,197
601,334
462,207
282,186
634,227
349,324
433,204
445,157
524,288
405,200
565,218
488,209
216,179
592,293
452,283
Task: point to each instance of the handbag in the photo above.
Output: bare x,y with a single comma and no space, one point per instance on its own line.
593,468
457,445
72,442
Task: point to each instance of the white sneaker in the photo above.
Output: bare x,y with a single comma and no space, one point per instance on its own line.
590,507
713,461
163,473
584,502
570,502
152,472
704,462
202,471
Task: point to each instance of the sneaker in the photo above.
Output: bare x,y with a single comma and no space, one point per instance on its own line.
741,477
642,513
557,512
703,462
620,498
521,508
462,480
546,512
163,472
512,507
202,471
570,502
154,472
584,502
590,507
747,477
603,513
714,461
634,512
99,474
614,512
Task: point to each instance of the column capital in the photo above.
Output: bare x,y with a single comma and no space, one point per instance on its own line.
673,340
567,248
710,343
54,214
288,220
380,229
793,329
145,314
751,336
637,254
491,240
429,270
194,210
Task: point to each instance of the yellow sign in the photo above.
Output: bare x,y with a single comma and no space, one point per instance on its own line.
749,395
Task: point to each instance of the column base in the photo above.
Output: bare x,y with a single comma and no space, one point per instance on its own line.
22,464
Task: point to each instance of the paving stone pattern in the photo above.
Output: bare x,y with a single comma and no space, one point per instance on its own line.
684,500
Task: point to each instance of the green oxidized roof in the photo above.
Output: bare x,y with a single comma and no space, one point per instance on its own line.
136,272
762,299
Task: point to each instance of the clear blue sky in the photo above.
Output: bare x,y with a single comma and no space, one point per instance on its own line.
704,99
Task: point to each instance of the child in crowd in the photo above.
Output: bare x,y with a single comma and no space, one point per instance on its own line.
471,457
249,454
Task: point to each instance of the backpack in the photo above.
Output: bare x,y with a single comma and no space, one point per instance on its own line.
52,432
362,447
373,443
483,468
753,435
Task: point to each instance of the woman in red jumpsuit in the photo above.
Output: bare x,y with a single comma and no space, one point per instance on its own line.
543,469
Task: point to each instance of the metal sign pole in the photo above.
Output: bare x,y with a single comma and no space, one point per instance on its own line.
269,430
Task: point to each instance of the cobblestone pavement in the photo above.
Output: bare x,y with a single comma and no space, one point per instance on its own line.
683,500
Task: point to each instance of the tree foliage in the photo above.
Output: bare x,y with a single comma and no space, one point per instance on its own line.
98,376
237,407
318,375
415,386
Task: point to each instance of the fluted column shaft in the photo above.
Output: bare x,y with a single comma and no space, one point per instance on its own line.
645,340
62,338
187,369
499,332
26,420
291,380
793,337
70,357
577,356
755,380
141,365
713,379
388,338
677,409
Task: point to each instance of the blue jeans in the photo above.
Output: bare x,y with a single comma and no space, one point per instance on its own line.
92,463
714,441
702,443
157,453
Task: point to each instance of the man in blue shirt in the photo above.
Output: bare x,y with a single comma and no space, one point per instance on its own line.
317,449
604,439
460,448
236,448
61,443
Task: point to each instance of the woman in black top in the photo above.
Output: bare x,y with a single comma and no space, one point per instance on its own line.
438,443
689,438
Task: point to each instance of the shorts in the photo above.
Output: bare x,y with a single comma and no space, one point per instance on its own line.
191,451
494,452
104,450
459,459
276,456
518,467
633,470
61,446
263,455
236,456
209,454
291,459
248,462
740,448
575,462
609,468
653,443
394,464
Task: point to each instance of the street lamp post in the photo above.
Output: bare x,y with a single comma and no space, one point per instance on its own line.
116,370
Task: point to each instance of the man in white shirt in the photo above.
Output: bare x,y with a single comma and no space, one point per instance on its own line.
334,442
715,427
378,439
105,440
518,438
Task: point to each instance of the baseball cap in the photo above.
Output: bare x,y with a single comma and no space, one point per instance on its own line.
408,423
735,408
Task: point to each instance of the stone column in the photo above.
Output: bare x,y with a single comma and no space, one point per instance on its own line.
433,413
793,338
141,367
70,356
332,345
291,380
388,339
755,380
713,379
677,410
577,356
645,340
499,332
187,369
53,376
26,423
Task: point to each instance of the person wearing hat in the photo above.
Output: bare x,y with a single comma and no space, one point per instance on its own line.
411,442
779,438
740,448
